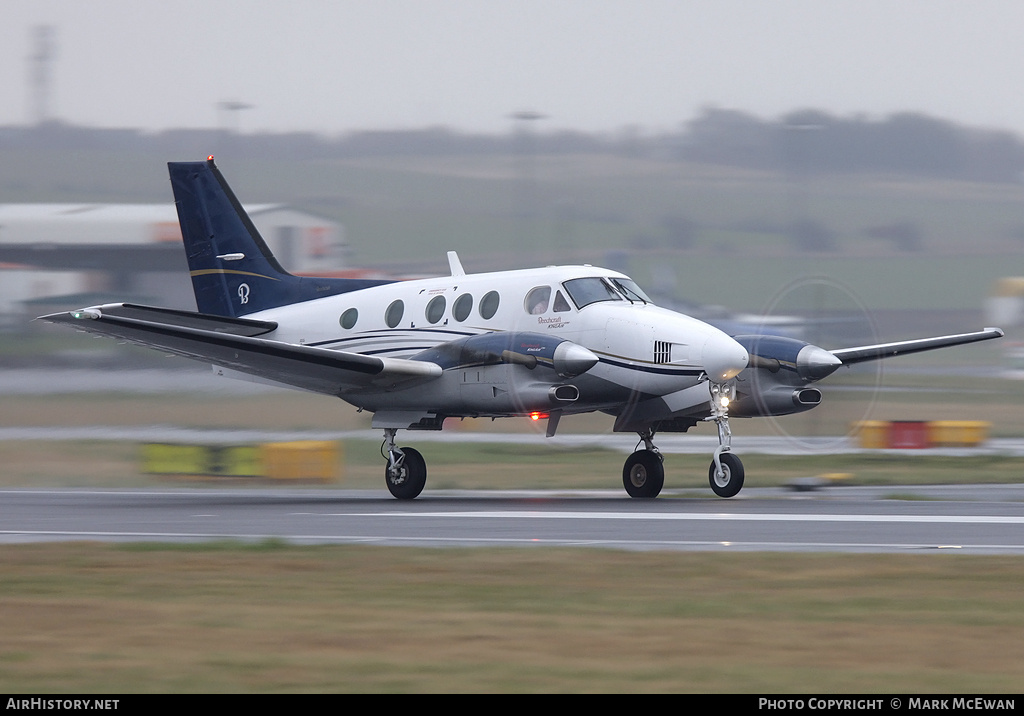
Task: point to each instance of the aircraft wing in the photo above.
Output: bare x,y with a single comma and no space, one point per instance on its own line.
850,356
235,343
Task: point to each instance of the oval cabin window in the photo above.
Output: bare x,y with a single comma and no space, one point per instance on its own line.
393,316
462,307
489,305
536,302
348,318
435,309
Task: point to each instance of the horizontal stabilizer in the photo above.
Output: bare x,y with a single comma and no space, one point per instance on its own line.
231,343
184,319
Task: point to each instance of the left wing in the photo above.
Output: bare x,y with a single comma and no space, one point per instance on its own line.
235,343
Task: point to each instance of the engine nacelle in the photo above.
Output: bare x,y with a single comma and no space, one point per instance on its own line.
776,379
793,362
519,398
756,399
566,358
502,373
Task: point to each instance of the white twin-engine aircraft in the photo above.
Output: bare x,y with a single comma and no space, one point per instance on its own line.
540,342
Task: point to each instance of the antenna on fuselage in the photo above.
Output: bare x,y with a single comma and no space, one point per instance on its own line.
455,265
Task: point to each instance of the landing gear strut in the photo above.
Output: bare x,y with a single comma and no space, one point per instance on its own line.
726,472
643,475
406,471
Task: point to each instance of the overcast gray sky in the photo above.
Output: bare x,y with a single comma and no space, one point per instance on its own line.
337,65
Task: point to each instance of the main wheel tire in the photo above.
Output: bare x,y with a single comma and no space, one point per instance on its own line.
731,481
643,475
407,482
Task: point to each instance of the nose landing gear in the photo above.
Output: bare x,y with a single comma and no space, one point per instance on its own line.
726,475
726,472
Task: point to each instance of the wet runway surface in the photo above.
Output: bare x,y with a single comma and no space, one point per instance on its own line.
986,519
970,519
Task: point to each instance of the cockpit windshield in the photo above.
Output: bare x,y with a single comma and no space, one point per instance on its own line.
630,290
584,291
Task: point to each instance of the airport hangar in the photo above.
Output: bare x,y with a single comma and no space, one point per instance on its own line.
55,256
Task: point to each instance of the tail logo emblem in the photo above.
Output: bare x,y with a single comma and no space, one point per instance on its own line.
243,293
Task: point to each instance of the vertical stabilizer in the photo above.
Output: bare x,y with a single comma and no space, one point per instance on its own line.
233,271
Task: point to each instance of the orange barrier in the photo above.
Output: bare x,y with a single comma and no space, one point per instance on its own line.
915,435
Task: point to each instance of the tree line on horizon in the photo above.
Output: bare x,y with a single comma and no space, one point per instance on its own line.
800,143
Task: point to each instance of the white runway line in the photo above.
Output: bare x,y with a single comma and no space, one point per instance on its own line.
694,516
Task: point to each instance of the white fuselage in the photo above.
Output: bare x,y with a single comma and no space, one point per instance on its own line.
642,349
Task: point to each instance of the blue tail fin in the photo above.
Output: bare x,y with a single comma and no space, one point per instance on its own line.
233,271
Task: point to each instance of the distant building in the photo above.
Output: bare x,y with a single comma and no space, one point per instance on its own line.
136,250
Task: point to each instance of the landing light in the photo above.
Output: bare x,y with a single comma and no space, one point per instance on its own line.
722,394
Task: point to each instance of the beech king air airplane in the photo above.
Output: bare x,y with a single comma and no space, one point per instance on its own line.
540,342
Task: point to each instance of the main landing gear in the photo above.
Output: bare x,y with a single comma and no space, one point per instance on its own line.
406,471
643,475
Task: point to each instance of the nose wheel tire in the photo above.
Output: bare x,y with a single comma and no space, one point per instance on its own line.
406,481
731,480
643,475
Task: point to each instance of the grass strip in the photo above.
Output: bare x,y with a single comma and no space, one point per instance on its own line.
269,617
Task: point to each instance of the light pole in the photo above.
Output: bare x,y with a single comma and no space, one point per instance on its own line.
230,120
525,199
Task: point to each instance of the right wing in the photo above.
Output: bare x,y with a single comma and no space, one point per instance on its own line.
849,356
234,343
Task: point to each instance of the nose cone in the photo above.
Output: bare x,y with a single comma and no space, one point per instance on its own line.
723,358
